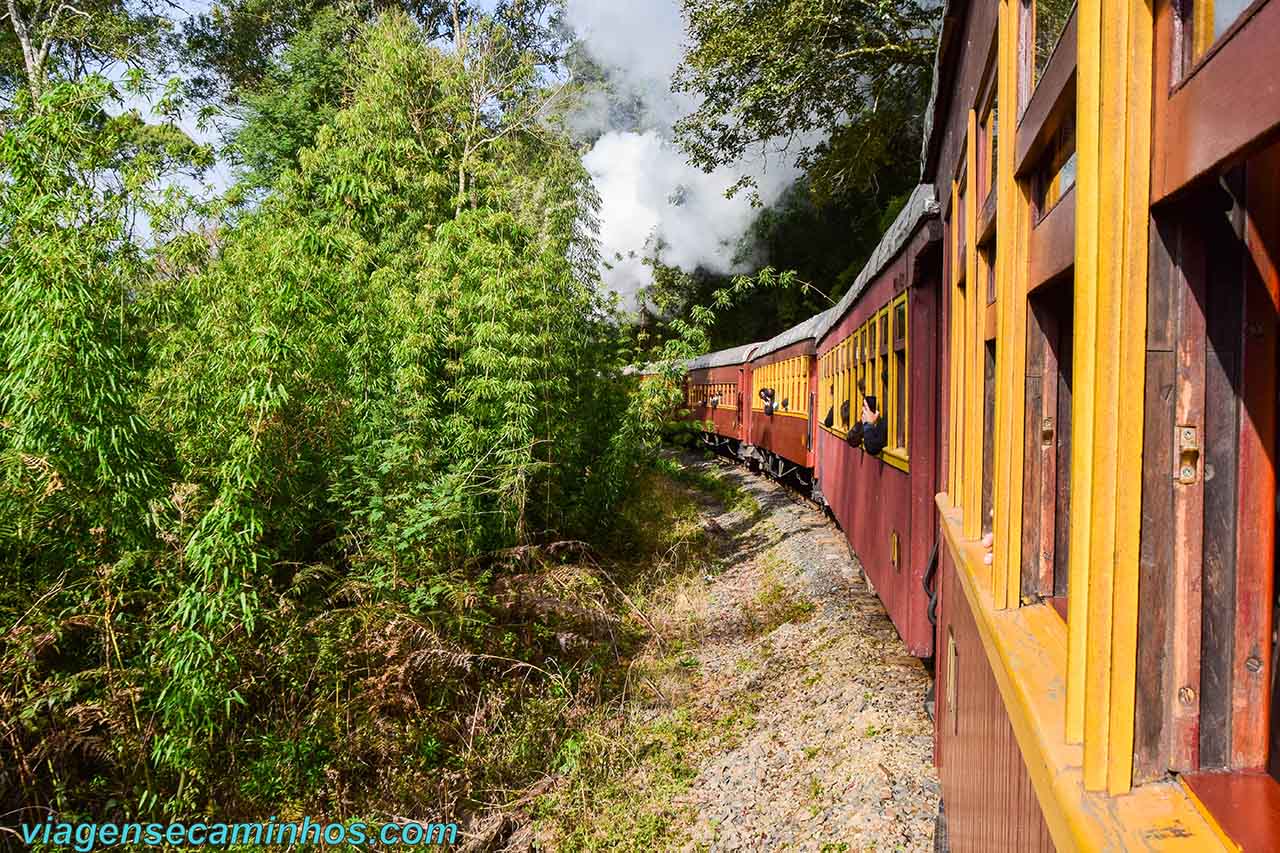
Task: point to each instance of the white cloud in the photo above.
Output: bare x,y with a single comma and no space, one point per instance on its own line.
648,189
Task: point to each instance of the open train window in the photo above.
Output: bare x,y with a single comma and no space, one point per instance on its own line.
1055,173
826,391
845,417
864,366
988,144
873,351
882,320
1044,22
1046,490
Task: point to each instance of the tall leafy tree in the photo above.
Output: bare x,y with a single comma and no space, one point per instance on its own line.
842,83
45,39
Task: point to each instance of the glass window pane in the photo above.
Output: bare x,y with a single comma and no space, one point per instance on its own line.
1212,18
1057,170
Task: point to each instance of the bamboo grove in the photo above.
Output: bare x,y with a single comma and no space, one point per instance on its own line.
258,474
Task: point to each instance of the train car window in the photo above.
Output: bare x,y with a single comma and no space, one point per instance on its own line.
990,252
796,396
1210,21
800,402
832,383
873,361
1056,171
855,367
900,373
868,361
823,404
988,147
842,388
784,386
789,398
1045,20
841,367
862,367
1046,488
885,385
828,387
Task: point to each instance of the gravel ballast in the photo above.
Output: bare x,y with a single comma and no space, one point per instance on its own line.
838,753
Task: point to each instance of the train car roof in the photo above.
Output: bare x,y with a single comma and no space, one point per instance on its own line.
922,204
724,357
803,331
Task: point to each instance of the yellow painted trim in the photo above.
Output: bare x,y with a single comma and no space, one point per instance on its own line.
1012,264
955,332
1132,355
1114,74
904,440
790,380
1026,649
896,459
1202,34
974,343
1088,113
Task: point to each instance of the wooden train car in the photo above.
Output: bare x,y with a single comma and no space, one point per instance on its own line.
881,340
1109,180
783,401
1098,419
717,393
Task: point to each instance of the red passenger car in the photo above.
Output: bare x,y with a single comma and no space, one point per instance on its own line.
882,341
716,392
783,399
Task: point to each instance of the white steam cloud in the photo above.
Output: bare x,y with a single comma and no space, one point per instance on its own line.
650,194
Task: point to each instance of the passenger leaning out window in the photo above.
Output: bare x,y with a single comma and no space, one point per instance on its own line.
874,436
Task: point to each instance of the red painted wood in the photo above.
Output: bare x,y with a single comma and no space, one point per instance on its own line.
784,435
728,420
1245,805
1255,530
1227,106
991,804
871,499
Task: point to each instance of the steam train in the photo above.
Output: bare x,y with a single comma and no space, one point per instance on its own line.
1070,334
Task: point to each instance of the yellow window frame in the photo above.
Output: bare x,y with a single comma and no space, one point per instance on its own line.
897,453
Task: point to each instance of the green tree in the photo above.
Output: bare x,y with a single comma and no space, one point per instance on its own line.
854,75
299,92
263,473
381,371
46,39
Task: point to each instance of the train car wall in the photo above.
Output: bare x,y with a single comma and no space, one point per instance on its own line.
882,340
1048,231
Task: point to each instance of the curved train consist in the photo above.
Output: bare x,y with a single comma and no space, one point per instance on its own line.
1070,332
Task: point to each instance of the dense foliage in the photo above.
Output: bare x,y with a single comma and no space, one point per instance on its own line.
261,479
287,477
844,83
